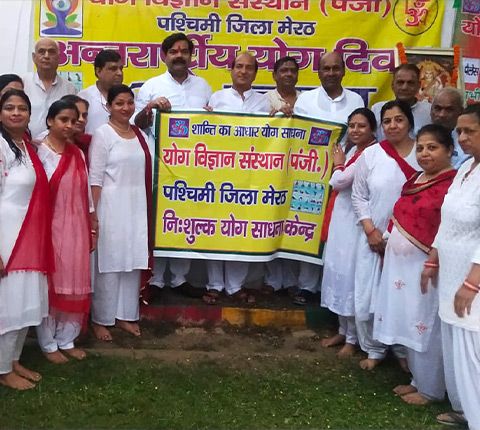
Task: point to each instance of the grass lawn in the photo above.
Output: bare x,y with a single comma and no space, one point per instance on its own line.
249,392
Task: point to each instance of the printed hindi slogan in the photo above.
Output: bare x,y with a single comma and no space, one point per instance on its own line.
241,187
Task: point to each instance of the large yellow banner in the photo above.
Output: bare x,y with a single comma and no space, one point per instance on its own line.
364,31
241,187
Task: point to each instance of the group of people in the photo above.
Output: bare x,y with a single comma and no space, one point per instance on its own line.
401,262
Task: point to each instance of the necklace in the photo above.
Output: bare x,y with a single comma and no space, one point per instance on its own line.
119,129
50,145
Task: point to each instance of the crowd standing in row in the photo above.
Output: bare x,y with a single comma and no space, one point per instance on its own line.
402,219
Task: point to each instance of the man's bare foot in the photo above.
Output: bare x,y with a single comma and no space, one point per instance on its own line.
76,353
129,327
26,373
17,382
101,332
415,399
338,339
56,357
403,364
369,363
347,351
401,390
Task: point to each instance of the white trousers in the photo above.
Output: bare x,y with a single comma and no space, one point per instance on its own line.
427,367
179,268
449,374
347,328
228,275
309,277
376,350
116,297
280,273
11,345
53,335
466,366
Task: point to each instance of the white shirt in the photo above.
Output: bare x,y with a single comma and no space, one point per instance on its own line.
421,116
98,113
230,100
41,98
318,104
276,100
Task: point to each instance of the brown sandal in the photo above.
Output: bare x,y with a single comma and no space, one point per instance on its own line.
211,297
243,296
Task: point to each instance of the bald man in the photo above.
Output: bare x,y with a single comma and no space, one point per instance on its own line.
44,86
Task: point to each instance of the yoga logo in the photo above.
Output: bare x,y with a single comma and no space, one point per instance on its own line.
61,18
178,127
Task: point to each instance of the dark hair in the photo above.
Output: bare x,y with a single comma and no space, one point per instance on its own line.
106,56
10,93
8,78
281,61
472,109
403,106
73,98
116,90
368,114
56,107
244,53
441,134
409,67
174,38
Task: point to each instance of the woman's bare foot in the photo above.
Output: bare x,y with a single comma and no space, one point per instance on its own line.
401,390
56,357
129,327
15,381
76,353
346,351
101,332
369,363
403,364
338,339
26,373
415,399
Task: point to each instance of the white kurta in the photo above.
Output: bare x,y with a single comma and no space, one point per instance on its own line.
458,244
23,295
403,315
118,166
98,113
377,186
340,252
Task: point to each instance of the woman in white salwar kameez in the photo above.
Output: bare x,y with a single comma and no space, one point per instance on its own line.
25,240
455,258
403,313
120,177
379,176
339,268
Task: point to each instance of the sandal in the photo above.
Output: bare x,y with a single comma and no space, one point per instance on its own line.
303,297
452,418
211,297
267,290
243,297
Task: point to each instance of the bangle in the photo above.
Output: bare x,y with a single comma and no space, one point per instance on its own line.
370,232
471,286
339,167
93,232
431,264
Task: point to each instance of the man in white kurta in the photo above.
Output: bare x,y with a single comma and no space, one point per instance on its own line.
176,89
405,86
44,86
329,102
239,98
109,72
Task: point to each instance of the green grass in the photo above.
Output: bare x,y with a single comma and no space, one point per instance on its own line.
120,393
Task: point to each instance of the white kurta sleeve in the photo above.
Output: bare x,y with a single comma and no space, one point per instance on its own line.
342,179
360,190
98,155
3,168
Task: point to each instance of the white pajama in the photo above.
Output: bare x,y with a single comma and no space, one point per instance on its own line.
427,367
53,335
179,268
228,275
309,277
116,297
11,345
347,328
280,273
376,350
449,374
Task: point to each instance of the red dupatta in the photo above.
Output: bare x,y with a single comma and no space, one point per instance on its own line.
33,251
407,170
417,212
83,142
69,284
147,274
327,218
